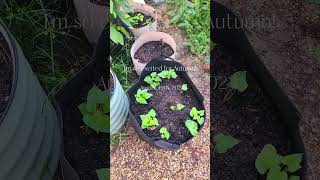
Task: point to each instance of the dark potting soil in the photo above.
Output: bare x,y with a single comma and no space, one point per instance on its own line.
249,117
167,94
152,50
85,149
6,73
145,19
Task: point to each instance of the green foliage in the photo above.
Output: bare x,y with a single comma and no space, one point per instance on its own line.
197,115
164,133
142,96
171,74
277,166
95,111
224,142
153,80
179,107
139,17
117,32
149,120
192,127
184,87
238,81
103,174
194,18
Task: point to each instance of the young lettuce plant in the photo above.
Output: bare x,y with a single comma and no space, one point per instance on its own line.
142,96
276,166
149,121
192,127
164,133
178,107
197,115
153,80
171,74
95,111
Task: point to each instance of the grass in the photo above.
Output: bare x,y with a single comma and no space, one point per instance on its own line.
34,25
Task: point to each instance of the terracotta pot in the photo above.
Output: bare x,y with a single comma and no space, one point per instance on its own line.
93,17
147,37
147,10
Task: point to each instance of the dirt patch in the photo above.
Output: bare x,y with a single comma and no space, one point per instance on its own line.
249,117
152,50
146,19
84,148
6,73
168,94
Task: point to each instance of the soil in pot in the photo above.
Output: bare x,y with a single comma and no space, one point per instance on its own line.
249,116
165,95
85,149
6,73
152,50
146,19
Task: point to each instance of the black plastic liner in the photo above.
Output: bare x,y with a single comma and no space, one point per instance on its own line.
155,66
71,93
235,40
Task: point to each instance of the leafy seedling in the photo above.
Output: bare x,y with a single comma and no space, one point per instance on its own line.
149,120
277,166
184,87
164,133
171,74
142,96
179,107
192,127
95,111
238,81
197,115
103,174
224,142
153,80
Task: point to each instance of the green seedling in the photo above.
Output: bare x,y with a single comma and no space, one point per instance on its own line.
135,19
171,74
164,133
179,107
149,121
184,87
197,115
192,127
238,81
103,174
276,166
224,142
153,80
142,96
95,111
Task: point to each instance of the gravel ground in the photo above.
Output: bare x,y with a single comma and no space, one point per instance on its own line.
135,159
285,47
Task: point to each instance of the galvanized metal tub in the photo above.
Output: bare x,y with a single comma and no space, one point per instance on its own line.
119,106
30,128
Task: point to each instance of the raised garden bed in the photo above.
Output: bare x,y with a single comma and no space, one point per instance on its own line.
258,115
172,100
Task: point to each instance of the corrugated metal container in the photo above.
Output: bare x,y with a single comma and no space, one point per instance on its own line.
119,106
30,129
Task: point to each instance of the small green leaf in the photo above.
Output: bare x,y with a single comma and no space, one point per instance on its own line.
152,113
116,36
224,142
173,108
292,161
294,177
103,174
267,159
184,87
164,133
192,127
180,106
275,173
239,81
200,120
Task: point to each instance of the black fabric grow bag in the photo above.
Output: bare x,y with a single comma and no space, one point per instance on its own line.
235,40
157,65
69,98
